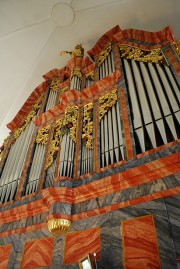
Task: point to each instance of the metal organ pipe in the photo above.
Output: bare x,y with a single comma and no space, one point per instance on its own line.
39,153
51,99
67,157
50,174
75,83
86,160
111,137
107,67
14,165
154,101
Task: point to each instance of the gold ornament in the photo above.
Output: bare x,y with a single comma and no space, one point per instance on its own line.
135,53
58,226
54,85
55,143
104,53
66,125
70,121
2,148
77,72
87,130
90,75
77,52
29,117
42,135
105,102
176,45
65,89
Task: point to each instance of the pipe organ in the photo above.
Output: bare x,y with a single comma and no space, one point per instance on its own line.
153,101
89,136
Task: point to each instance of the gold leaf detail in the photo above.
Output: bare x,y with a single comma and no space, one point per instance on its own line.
70,121
54,85
105,102
65,89
55,143
77,52
2,148
77,72
58,226
87,130
104,53
42,135
135,53
29,117
176,45
90,75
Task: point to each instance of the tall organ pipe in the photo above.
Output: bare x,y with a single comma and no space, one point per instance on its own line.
86,160
67,157
111,137
155,106
39,153
14,165
107,66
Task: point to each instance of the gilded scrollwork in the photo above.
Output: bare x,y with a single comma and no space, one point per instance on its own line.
70,121
77,72
55,143
105,102
3,147
104,53
29,117
90,75
135,53
87,130
65,89
66,125
176,45
54,85
43,135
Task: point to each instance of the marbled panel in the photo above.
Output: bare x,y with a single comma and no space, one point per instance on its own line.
128,194
140,243
31,220
37,253
78,244
141,159
173,215
4,256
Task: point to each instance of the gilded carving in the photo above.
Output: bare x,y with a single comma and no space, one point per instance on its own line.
87,130
29,117
90,75
104,53
54,85
55,143
2,148
58,226
65,89
135,53
42,135
66,125
77,52
70,121
77,72
176,45
105,102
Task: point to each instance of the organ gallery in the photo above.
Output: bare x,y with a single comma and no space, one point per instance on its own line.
90,170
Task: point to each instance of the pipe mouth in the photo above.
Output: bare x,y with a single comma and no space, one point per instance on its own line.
62,14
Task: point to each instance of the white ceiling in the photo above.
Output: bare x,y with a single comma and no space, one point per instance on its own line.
33,32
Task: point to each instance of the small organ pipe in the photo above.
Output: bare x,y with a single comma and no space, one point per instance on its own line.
119,131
